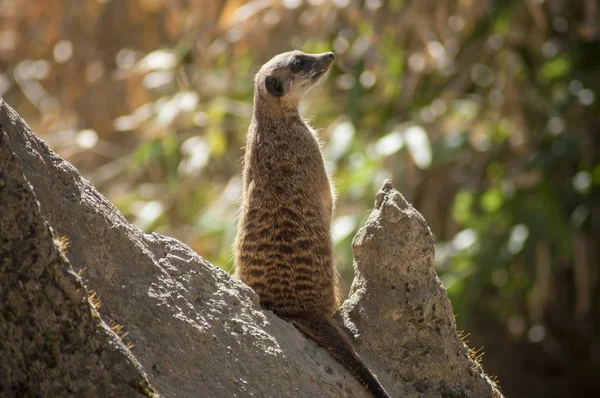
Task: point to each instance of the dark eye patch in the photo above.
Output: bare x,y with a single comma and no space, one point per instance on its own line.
297,64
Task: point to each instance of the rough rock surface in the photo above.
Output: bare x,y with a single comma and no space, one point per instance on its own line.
399,309
52,341
195,330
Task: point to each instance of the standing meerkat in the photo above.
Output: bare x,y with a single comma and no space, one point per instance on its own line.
283,246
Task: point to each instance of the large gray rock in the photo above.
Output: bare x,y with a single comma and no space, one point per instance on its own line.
399,309
52,341
195,330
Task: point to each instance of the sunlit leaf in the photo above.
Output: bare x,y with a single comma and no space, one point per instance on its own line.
517,238
492,200
342,227
158,60
464,239
148,213
390,143
555,68
146,153
340,141
463,202
418,146
216,140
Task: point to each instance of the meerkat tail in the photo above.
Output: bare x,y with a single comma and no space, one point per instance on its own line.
327,334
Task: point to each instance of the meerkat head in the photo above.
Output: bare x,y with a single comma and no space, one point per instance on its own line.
287,77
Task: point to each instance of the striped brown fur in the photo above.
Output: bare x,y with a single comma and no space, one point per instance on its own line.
283,246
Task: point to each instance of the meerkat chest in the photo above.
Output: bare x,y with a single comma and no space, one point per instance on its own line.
296,150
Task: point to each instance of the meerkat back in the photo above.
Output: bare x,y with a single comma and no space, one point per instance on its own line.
283,246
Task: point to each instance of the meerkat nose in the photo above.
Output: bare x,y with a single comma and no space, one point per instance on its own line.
331,56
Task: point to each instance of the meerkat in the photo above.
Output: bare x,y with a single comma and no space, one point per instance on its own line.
283,247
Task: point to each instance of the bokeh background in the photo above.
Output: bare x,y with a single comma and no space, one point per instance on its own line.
483,113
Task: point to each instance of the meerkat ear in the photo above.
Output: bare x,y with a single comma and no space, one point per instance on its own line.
274,86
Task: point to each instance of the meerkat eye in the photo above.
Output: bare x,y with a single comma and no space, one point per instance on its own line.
297,64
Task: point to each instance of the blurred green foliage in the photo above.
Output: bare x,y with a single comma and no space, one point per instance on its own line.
483,114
